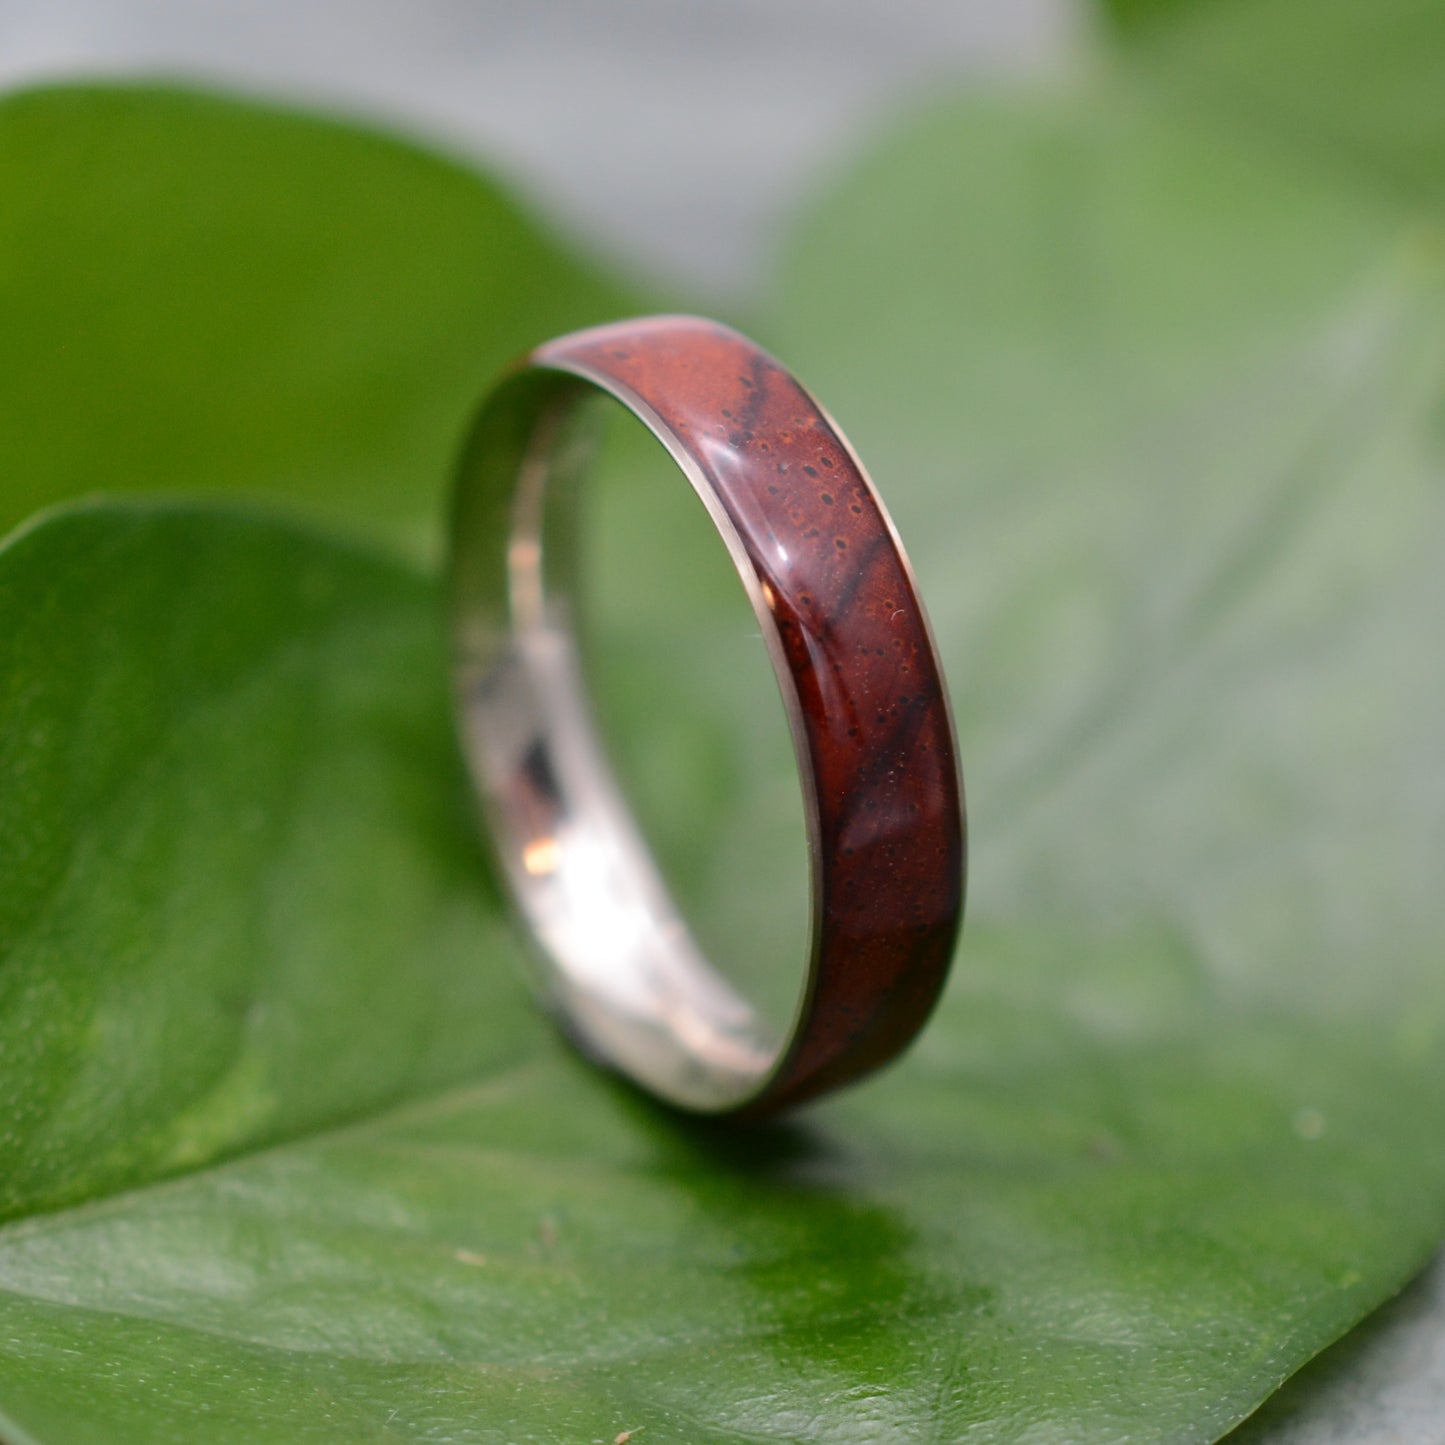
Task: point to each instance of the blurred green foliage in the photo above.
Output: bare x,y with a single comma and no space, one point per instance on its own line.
1331,86
204,295
1151,373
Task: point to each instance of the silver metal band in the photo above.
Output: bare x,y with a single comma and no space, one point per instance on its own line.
617,962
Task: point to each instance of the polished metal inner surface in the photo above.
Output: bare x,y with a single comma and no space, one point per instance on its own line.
618,963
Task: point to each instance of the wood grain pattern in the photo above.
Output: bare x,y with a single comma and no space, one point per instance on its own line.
885,807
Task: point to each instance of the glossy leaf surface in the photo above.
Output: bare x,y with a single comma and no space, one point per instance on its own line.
1160,423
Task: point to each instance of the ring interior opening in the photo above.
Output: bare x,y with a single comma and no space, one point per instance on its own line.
625,968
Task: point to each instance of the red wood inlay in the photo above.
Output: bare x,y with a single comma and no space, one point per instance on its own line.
889,806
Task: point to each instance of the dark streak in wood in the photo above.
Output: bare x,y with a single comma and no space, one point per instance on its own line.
887,814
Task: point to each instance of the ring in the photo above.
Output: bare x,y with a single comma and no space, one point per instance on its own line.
861,683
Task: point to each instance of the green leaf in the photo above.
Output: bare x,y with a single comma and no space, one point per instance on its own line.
1332,83
1132,15
198,292
1085,1213
241,893
1163,416
289,1157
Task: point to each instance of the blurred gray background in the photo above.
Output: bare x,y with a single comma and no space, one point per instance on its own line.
672,133
675,137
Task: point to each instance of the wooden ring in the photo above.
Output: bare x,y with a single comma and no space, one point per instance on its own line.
861,683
